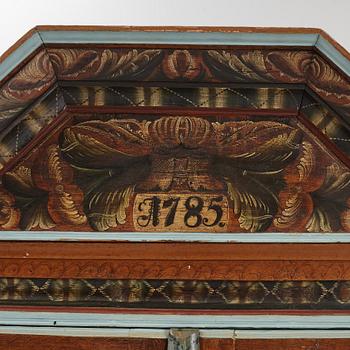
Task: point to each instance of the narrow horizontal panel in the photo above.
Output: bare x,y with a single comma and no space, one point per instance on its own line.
177,294
64,319
173,251
163,333
187,269
178,37
177,237
290,334
292,344
37,342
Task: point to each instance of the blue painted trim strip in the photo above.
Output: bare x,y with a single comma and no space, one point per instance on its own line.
291,334
177,237
333,54
21,53
163,333
167,37
110,332
64,319
201,38
185,38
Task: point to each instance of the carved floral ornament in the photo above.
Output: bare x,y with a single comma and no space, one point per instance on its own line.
120,64
234,65
178,174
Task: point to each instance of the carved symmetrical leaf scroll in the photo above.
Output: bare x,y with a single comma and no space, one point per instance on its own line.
85,64
31,201
180,173
50,66
331,211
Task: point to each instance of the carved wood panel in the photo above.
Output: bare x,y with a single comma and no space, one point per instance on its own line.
178,173
242,270
292,344
37,342
177,294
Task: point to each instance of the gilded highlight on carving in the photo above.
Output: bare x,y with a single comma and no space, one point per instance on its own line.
179,173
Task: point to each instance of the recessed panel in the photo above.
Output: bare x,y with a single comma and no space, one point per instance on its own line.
178,173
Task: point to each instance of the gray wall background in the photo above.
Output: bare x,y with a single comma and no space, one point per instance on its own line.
18,16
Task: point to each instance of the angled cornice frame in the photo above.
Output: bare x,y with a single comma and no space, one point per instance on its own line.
305,65
31,71
225,36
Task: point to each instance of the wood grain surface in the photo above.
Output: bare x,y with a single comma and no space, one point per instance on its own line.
36,342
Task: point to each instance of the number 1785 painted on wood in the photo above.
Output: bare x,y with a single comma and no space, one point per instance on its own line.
180,212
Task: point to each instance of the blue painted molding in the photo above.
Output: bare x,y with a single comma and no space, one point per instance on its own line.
125,320
177,37
172,37
20,54
176,237
334,55
155,333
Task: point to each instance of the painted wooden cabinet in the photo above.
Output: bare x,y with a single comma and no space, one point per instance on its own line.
186,179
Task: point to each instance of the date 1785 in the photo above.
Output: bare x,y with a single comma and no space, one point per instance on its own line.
164,212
